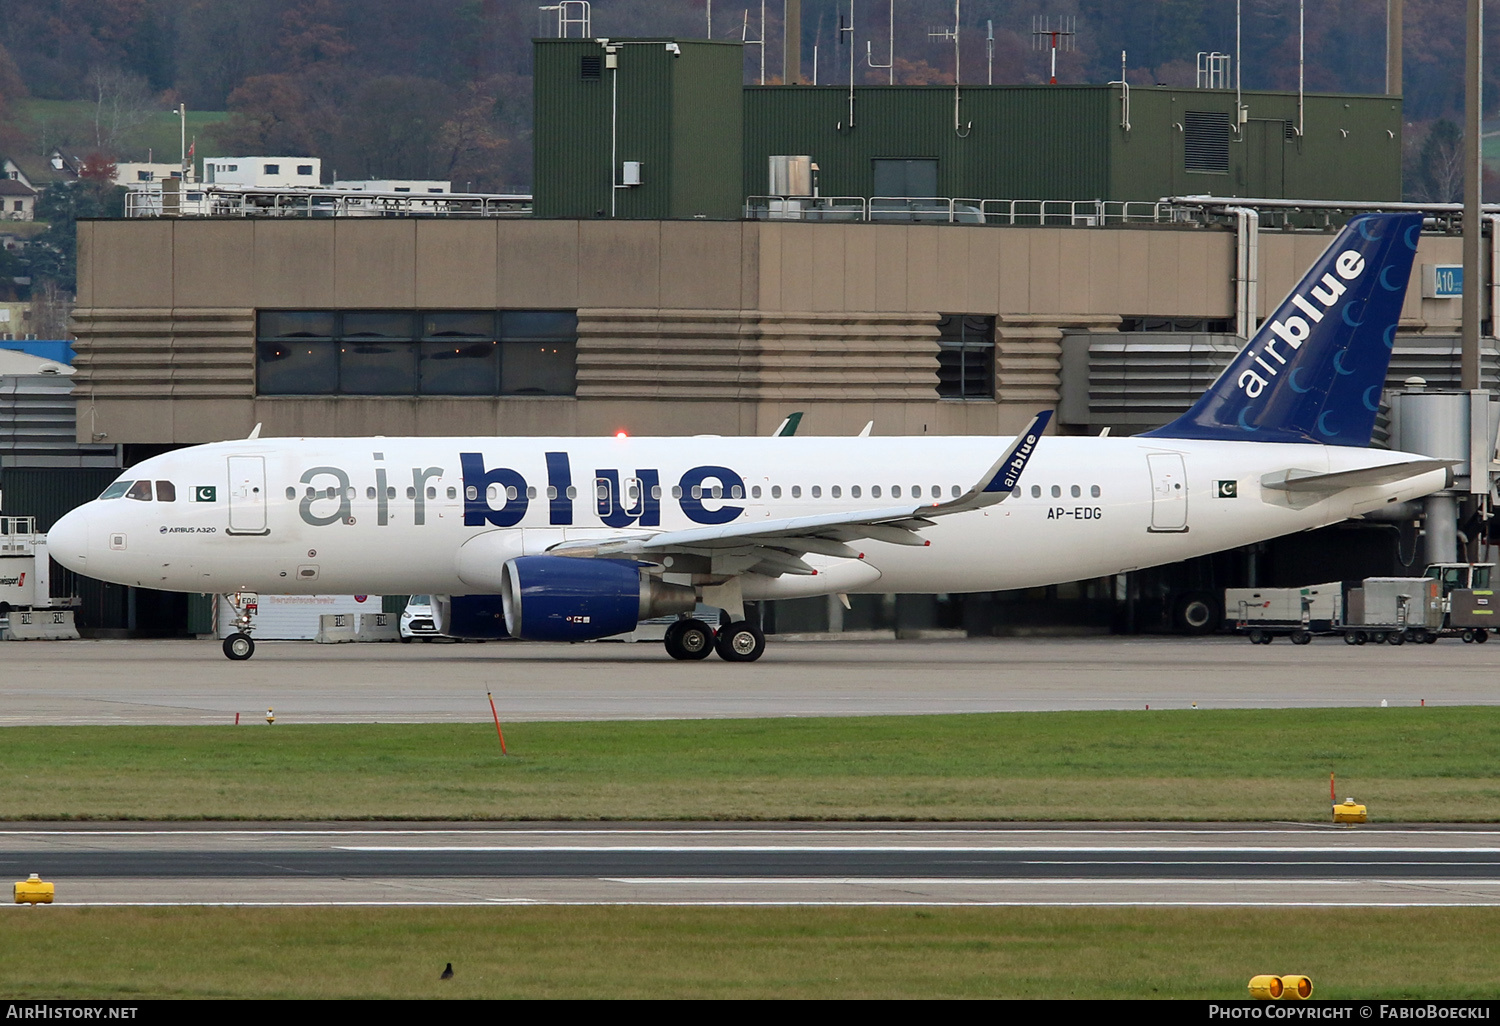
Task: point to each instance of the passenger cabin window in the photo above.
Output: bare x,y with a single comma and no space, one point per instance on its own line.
140,490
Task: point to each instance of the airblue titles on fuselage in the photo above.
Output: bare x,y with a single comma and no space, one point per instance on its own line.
619,501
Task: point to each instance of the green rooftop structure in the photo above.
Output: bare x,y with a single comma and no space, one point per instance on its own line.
701,140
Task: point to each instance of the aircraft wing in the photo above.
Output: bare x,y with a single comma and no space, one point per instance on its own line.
775,546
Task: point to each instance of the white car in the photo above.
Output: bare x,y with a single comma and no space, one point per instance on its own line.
417,620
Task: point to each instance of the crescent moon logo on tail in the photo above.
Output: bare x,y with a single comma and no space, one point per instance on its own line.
1373,407
1324,429
1338,362
1243,425
1387,285
1291,381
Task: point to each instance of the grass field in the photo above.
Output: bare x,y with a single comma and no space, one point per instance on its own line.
1406,764
716,952
69,124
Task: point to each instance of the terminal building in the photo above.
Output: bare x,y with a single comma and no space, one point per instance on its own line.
957,260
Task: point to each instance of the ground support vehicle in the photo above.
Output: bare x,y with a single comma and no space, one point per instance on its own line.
1449,600
1265,614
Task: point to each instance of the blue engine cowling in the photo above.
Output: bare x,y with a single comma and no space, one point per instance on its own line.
561,598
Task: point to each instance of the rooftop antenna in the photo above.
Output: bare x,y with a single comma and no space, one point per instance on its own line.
890,57
1124,95
570,13
989,50
849,29
710,20
761,42
961,129
1045,37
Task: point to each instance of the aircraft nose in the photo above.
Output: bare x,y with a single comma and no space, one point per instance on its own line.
68,540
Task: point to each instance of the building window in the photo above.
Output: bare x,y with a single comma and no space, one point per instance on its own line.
1205,141
304,169
966,357
406,352
904,178
273,169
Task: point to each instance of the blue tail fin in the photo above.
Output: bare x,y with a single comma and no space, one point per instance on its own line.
1314,370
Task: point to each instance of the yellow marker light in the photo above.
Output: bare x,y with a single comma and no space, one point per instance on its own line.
33,891
1348,812
1296,988
1266,988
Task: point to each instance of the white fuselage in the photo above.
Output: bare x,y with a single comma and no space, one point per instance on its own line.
388,515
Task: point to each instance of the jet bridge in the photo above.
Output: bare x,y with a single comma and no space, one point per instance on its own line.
1460,426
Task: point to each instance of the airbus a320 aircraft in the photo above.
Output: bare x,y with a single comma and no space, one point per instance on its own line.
572,539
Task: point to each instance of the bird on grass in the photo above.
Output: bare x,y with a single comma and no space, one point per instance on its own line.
447,973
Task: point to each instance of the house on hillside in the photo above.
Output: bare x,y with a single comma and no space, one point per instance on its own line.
37,173
17,201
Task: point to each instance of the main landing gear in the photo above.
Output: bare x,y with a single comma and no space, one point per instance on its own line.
239,646
738,642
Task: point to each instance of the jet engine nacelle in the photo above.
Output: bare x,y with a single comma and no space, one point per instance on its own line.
562,598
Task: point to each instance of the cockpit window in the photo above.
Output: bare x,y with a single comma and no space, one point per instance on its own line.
166,491
140,490
116,490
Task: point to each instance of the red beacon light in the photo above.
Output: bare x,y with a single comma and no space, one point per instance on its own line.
621,434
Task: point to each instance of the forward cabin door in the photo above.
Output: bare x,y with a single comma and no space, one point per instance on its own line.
1169,497
247,495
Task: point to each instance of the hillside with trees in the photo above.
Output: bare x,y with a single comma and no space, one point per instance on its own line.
442,89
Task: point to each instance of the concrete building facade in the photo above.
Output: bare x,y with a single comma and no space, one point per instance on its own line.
683,327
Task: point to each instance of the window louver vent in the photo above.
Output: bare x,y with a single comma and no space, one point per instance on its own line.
1205,141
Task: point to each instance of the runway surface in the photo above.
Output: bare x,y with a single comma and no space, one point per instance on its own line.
759,865
190,682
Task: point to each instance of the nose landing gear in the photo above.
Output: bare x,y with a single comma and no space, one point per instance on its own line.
239,645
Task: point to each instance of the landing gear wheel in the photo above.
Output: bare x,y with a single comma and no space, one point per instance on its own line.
1194,614
1351,638
689,639
1481,636
1396,638
239,647
1301,638
740,642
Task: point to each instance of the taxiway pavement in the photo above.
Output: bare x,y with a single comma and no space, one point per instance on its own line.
739,864
190,682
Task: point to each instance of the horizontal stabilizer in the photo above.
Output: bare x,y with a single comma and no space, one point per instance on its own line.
1310,481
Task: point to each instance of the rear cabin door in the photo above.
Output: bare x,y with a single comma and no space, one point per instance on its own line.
247,495
1169,497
